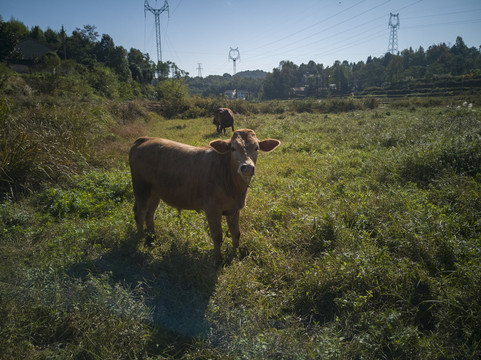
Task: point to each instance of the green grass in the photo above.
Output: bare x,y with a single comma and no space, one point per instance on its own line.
361,239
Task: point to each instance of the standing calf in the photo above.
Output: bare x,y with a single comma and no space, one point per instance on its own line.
223,118
213,179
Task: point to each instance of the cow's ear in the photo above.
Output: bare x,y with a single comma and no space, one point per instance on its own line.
269,144
221,146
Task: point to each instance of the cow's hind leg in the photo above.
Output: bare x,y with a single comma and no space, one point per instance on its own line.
139,214
142,194
152,205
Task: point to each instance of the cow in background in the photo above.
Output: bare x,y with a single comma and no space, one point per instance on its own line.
223,118
212,179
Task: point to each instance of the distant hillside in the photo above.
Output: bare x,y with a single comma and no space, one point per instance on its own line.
253,74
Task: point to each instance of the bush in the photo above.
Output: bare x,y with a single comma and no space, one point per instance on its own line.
173,96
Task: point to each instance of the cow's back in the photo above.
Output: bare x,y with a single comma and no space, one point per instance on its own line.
182,175
227,117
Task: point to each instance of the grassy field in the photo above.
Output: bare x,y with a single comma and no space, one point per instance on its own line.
361,240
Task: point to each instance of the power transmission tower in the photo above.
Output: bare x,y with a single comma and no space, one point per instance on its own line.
157,13
234,55
199,70
394,25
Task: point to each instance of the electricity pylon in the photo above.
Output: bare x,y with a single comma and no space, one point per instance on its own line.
394,25
157,13
199,70
234,55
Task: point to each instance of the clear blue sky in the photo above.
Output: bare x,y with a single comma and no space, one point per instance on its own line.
265,31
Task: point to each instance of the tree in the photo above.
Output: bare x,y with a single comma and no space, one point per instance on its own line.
37,34
104,49
372,74
80,46
141,66
395,69
457,65
459,48
118,61
272,87
437,53
8,41
18,28
278,84
339,76
419,57
52,38
163,70
177,72
174,96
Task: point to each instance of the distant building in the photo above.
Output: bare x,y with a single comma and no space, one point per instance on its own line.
236,94
27,53
230,94
298,91
242,94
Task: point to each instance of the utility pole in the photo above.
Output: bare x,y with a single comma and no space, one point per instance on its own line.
394,25
199,70
157,13
234,55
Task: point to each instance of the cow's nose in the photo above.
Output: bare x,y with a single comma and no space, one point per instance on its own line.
246,169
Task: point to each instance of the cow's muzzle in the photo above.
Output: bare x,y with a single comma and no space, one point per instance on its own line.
246,170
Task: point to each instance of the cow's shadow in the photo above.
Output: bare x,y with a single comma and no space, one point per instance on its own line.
177,285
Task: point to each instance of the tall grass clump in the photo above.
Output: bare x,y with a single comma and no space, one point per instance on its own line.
50,315
452,145
44,142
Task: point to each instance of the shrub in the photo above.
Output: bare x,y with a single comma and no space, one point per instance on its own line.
173,96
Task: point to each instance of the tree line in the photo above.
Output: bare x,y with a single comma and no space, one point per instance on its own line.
86,47
342,78
345,77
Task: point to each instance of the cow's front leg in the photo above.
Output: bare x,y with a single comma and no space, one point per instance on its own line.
233,223
215,226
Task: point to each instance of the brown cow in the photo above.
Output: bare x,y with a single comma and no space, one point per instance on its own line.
212,179
223,118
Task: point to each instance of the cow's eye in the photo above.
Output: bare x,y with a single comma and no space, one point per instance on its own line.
232,149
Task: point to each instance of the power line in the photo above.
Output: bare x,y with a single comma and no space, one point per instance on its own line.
311,26
298,46
180,2
334,26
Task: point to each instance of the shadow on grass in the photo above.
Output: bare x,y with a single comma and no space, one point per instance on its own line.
176,281
215,135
